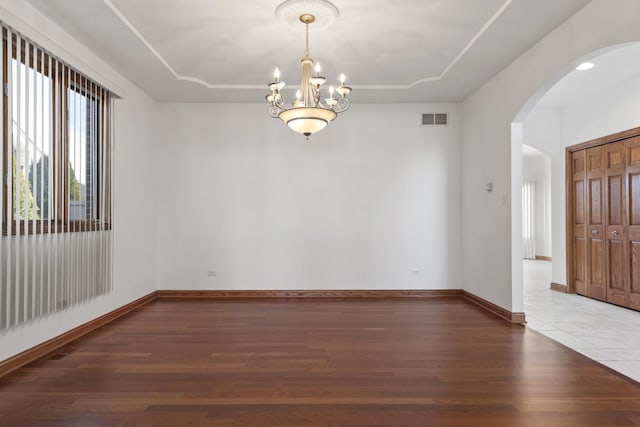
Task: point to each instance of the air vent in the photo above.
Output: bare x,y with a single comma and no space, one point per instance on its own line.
434,119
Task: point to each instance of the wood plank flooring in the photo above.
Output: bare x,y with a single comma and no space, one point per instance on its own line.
400,362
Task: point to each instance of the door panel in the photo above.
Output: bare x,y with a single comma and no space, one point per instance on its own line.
578,163
634,198
596,270
596,249
634,246
578,204
633,152
595,201
614,196
632,182
634,269
615,199
594,161
616,263
580,264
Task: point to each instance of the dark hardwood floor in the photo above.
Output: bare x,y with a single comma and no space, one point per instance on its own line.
394,362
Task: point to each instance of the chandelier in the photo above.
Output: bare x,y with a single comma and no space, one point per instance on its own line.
308,113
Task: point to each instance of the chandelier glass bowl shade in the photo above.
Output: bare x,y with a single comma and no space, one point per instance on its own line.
308,113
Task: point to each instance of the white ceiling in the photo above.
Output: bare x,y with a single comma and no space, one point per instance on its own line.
528,151
610,69
390,50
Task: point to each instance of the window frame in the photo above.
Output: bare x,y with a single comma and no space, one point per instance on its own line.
64,79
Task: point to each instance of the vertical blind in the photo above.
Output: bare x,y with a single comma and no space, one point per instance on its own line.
529,219
56,248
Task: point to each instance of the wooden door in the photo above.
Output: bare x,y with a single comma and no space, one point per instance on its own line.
633,230
578,199
595,230
615,216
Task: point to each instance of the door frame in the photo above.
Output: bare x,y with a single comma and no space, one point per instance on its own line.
568,174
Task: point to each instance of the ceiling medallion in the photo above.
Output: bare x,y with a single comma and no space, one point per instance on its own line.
308,113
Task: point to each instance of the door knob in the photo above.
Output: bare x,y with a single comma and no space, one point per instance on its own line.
594,231
614,232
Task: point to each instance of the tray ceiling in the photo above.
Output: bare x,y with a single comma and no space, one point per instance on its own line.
391,51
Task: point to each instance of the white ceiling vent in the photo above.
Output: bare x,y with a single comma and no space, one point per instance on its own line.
435,119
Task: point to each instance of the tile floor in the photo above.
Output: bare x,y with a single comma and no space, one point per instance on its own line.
601,331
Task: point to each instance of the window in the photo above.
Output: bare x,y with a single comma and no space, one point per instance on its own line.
55,195
56,164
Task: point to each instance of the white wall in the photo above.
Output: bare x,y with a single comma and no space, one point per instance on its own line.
488,259
613,109
538,168
367,201
134,187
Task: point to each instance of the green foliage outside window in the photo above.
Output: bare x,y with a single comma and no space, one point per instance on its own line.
24,204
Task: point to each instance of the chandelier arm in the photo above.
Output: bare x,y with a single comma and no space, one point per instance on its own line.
277,100
319,101
274,111
342,105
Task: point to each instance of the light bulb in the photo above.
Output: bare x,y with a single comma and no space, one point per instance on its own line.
276,74
298,94
585,66
342,79
318,68
331,90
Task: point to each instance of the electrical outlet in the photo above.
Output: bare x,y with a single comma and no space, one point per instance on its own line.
211,273
414,273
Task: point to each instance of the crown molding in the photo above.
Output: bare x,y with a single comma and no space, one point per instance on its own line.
209,85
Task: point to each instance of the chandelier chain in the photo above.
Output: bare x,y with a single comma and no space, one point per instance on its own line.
306,50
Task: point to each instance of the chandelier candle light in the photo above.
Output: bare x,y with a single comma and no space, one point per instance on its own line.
308,113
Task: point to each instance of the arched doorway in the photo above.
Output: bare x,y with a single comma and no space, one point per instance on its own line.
575,107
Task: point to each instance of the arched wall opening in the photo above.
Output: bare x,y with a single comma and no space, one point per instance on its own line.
487,143
576,107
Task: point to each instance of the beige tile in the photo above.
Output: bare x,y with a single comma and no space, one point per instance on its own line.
601,331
